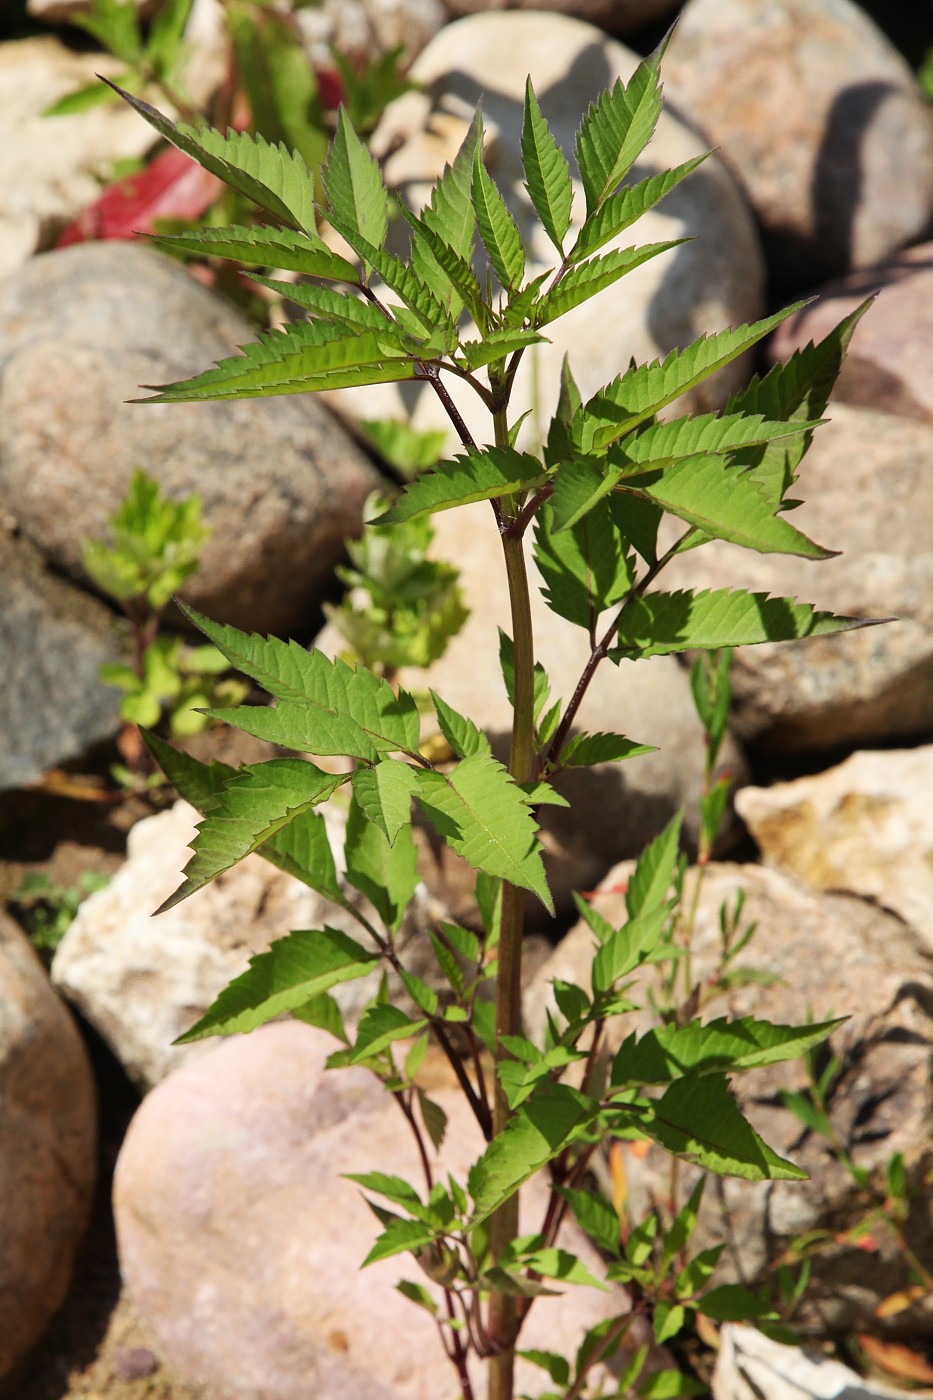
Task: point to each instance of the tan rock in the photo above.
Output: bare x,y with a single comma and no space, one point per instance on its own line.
615,16
864,827
48,1146
822,121
241,1242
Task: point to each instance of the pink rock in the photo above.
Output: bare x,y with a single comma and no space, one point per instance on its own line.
241,1242
890,361
48,1132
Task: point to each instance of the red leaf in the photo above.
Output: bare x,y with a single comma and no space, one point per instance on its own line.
173,187
330,88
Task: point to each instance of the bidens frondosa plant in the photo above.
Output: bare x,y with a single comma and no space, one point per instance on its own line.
610,472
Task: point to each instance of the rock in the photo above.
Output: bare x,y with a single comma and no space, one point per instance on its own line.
51,166
750,1365
829,955
141,981
822,121
704,285
868,489
864,827
282,485
53,640
615,808
241,1242
615,16
362,29
888,365
48,1146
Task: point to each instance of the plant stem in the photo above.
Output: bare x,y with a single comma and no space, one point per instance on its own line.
503,1225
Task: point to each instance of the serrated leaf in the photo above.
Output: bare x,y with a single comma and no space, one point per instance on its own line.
271,176
616,129
483,816
496,345
555,1263
449,212
458,271
199,783
661,444
724,502
496,226
664,1054
586,279
634,397
461,733
393,1188
542,688
698,1119
547,174
660,623
386,875
584,569
400,1236
627,947
627,206
401,279
341,308
585,750
354,185
253,807
597,1216
380,1027
478,475
538,1133
265,247
650,883
304,357
434,1119
357,713
324,1013
293,971
384,792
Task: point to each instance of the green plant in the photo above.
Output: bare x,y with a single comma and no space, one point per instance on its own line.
48,910
611,472
402,608
155,546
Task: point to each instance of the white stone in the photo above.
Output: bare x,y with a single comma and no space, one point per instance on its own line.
751,1366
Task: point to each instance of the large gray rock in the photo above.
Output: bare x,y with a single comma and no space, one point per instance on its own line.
821,119
867,484
48,1142
812,955
50,168
889,364
53,640
713,281
241,1242
865,827
282,485
615,808
142,981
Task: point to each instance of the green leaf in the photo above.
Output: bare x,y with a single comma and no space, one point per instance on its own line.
558,1264
664,1054
295,970
434,1119
497,227
386,875
661,444
477,475
380,1026
547,174
339,309
265,248
86,97
649,886
557,1367
406,284
627,948
496,345
634,397
668,1320
461,733
400,1236
115,24
542,687
584,750
586,279
201,784
538,1133
323,1012
253,807
271,176
616,129
484,817
669,1385
627,206
343,710
427,244
698,1119
449,212
304,357
724,502
660,623
586,568
418,1294
731,1302
354,184
384,793
393,1188
597,1216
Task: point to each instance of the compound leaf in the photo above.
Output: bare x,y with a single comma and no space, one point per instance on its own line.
624,208
384,792
616,129
264,247
547,174
585,569
586,279
477,475
497,227
354,184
